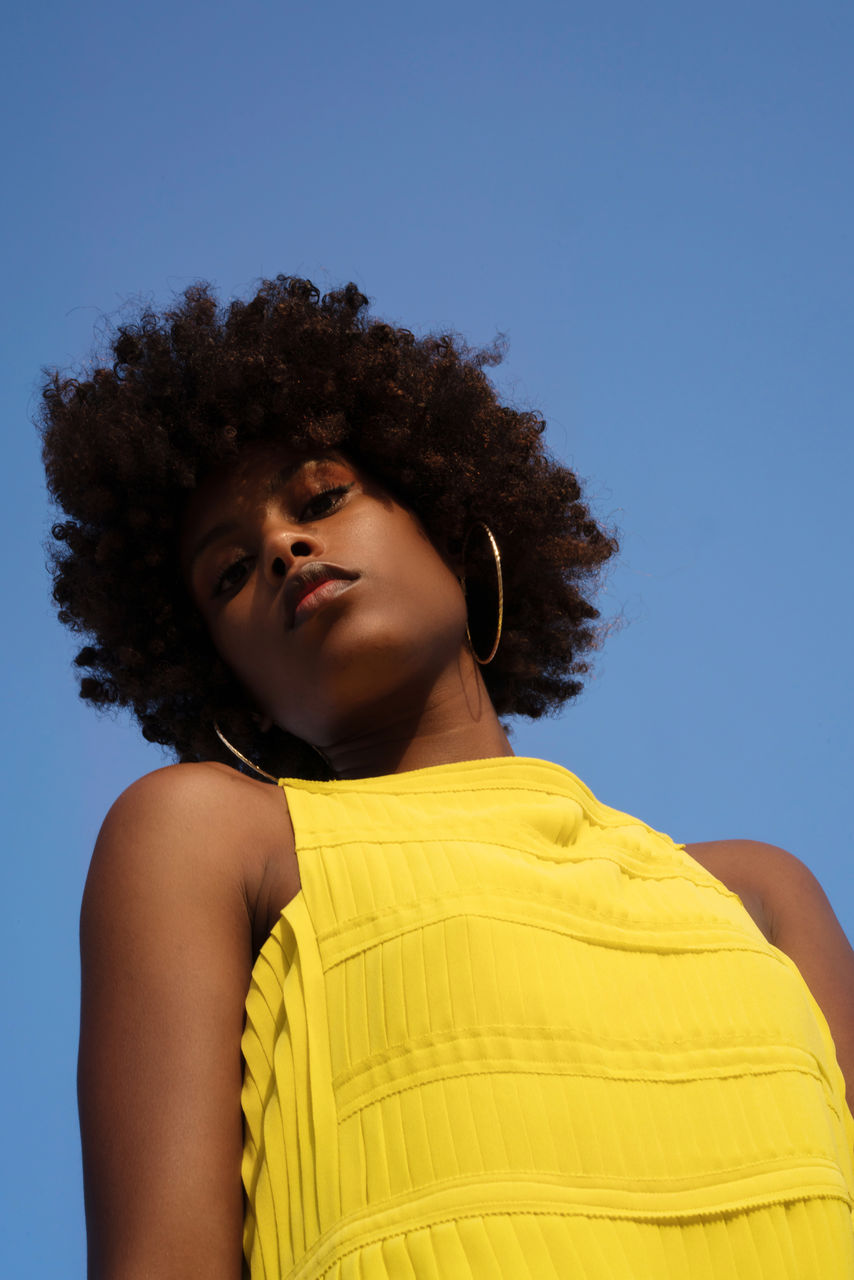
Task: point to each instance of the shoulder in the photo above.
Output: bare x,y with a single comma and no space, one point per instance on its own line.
197,830
770,881
793,905
793,911
205,793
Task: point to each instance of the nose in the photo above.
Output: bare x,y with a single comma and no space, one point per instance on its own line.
283,547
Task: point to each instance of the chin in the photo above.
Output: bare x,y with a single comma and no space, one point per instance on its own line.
387,672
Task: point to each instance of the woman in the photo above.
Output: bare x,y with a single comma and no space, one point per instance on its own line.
493,1027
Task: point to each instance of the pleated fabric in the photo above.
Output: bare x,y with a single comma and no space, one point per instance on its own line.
506,1031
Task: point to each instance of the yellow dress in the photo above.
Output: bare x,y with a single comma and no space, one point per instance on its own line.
506,1031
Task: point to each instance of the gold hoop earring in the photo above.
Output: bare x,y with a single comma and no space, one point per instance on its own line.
240,756
500,581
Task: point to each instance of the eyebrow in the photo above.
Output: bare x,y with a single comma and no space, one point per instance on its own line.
283,475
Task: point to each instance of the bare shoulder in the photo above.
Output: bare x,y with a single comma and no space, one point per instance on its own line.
769,880
203,829
792,909
194,798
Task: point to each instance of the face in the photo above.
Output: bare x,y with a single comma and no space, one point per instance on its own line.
323,595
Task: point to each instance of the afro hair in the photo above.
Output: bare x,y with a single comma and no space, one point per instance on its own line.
125,445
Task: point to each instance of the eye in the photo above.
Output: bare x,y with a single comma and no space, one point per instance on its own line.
325,502
232,576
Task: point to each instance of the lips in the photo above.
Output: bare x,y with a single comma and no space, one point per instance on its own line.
311,579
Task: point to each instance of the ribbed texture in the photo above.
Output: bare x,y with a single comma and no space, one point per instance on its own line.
506,1031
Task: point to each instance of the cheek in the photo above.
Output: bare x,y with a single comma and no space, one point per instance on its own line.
443,601
425,592
248,644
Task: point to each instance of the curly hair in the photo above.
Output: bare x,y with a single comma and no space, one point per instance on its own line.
125,445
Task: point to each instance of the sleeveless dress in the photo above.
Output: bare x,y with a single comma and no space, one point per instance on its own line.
506,1031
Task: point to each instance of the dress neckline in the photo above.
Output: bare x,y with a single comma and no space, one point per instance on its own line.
500,771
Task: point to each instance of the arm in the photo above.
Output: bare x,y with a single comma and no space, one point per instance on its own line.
791,908
166,953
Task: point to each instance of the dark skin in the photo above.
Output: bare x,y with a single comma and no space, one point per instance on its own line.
379,677
378,674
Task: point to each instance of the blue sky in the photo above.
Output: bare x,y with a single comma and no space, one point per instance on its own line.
653,202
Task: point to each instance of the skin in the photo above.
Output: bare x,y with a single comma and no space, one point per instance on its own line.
201,859
380,678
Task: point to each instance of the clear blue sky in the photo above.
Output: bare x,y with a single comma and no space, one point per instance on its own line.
654,202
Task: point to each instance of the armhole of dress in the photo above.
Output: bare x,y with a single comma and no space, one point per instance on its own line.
289,819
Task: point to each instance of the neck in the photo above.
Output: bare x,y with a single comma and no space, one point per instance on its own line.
457,722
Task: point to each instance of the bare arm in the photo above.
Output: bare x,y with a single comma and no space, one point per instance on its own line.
791,908
166,953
